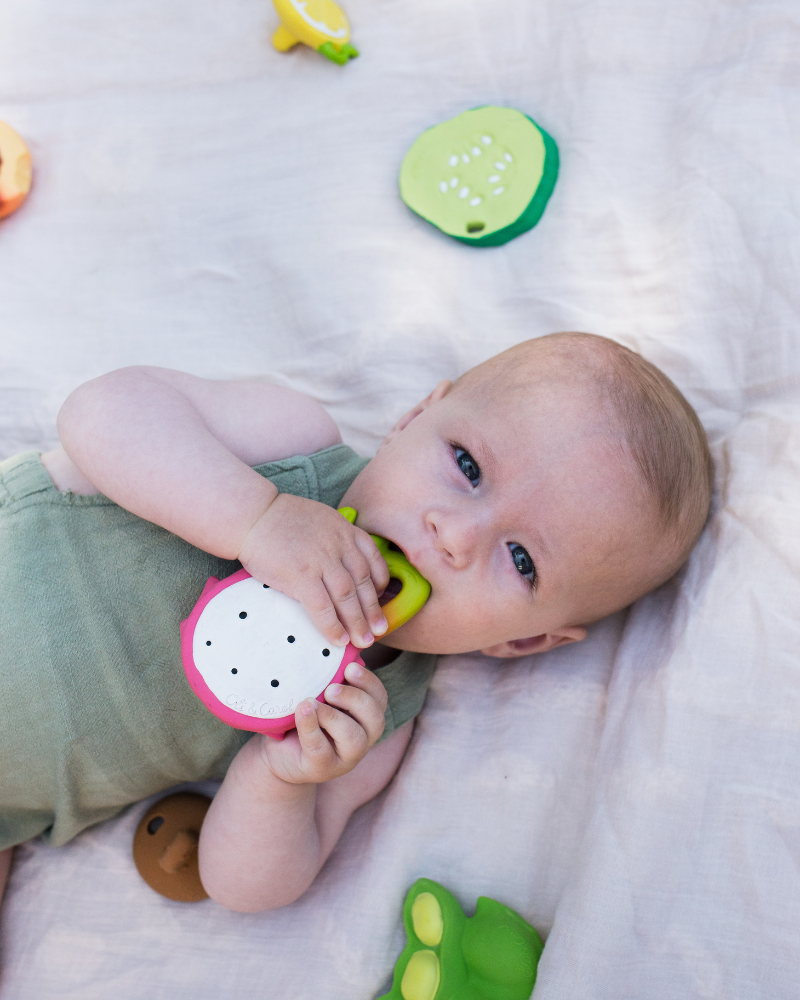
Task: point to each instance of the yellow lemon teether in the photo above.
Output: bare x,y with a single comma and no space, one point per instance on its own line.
320,24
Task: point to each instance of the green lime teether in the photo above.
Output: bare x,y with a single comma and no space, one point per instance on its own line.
415,588
483,177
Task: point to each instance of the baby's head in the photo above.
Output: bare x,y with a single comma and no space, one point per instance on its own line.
547,488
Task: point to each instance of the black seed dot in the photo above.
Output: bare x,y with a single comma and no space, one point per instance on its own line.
243,614
265,586
326,652
274,683
234,671
155,824
290,638
208,642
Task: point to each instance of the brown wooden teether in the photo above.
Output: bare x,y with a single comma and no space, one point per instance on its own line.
165,846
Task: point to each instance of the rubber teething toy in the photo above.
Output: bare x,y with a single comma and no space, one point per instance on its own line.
320,24
165,846
15,170
448,956
252,654
483,177
415,588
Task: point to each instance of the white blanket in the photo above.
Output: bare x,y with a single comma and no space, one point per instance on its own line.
204,203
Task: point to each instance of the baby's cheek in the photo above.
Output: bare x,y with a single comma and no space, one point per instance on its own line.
436,628
467,623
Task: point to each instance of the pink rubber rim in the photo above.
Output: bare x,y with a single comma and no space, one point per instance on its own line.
277,728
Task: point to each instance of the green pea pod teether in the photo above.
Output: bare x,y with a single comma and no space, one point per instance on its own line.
415,588
448,956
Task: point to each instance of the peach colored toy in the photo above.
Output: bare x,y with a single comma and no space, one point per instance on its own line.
15,170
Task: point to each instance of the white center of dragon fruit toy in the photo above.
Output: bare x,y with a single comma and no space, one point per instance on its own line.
259,653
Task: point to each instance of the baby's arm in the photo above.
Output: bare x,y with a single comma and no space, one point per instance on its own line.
177,450
283,805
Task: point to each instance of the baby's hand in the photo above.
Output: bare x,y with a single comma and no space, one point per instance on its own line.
310,552
328,741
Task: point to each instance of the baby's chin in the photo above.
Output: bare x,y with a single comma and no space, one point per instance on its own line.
422,637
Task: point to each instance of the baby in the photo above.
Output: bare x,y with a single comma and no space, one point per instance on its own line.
545,489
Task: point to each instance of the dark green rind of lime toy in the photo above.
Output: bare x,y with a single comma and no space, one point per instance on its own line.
448,956
482,177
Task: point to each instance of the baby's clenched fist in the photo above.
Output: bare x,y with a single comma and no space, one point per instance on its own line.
331,738
310,552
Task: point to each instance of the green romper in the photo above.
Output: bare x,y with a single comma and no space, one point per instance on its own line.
96,710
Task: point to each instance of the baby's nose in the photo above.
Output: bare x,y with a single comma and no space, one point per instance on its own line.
455,537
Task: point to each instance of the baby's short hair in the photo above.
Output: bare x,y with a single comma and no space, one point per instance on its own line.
661,431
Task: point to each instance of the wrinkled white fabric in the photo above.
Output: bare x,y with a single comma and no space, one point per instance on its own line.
204,203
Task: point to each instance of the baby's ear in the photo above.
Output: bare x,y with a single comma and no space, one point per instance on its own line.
438,393
536,643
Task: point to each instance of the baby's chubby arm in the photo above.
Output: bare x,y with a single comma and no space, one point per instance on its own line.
176,450
283,805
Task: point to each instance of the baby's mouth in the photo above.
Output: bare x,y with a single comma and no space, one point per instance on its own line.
393,588
407,589
394,585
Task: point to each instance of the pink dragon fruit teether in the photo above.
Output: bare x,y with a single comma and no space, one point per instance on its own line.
251,654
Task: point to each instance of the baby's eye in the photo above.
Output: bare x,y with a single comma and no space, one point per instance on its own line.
522,561
468,466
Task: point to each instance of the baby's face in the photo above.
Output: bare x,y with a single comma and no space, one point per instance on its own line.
522,512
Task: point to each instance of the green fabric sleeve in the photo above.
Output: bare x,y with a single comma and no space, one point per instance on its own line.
406,680
324,476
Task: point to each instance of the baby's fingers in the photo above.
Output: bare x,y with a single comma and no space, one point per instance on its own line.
350,741
378,569
317,602
363,574
366,707
345,590
319,756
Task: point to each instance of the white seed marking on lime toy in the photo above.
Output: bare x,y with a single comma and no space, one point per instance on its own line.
463,192
443,186
465,158
475,201
453,161
476,151
508,157
486,140
499,190
494,179
499,166
453,182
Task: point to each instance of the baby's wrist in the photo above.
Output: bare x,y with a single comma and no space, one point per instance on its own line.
267,781
256,529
